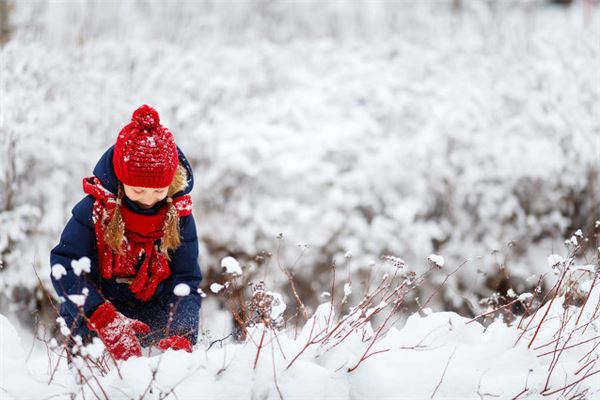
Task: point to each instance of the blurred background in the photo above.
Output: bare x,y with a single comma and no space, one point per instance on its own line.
319,132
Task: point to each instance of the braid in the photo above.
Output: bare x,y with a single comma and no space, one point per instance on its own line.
171,233
171,236
115,231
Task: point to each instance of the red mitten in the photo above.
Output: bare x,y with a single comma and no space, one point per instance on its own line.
175,343
117,331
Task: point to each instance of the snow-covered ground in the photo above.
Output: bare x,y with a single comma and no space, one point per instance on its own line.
439,355
354,130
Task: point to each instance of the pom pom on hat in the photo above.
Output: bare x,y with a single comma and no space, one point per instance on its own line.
145,117
145,153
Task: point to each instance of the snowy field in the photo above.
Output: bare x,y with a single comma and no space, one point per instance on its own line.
551,355
324,132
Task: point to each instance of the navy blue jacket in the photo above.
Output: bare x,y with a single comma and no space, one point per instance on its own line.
78,239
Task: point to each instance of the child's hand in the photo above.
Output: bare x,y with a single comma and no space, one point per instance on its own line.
117,331
175,343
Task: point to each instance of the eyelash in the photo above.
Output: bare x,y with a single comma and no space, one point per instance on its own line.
140,191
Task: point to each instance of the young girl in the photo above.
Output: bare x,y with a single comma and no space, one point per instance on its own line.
137,229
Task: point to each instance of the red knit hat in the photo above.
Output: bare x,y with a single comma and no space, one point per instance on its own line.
145,153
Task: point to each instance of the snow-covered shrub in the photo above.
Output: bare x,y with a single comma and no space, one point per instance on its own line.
434,131
345,352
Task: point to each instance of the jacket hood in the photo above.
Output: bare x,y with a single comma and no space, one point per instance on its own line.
105,172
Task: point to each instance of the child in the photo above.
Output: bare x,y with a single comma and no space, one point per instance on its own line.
137,229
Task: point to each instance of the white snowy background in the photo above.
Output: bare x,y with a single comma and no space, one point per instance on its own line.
466,129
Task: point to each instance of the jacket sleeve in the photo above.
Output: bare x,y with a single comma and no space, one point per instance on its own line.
185,269
76,241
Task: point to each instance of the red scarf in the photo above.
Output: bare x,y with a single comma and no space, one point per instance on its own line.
141,232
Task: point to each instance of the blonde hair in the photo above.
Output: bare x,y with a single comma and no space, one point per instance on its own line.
115,230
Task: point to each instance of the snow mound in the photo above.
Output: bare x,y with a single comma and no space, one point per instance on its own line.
439,353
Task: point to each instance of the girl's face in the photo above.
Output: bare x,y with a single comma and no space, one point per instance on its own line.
145,197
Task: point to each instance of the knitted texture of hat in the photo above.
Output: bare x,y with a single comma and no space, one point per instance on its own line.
145,154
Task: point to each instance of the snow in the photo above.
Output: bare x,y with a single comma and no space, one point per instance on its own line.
376,309
93,349
555,259
347,289
395,261
58,271
78,299
574,240
525,296
81,265
216,287
436,259
231,265
439,352
63,326
181,290
16,379
586,267
278,306
411,129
